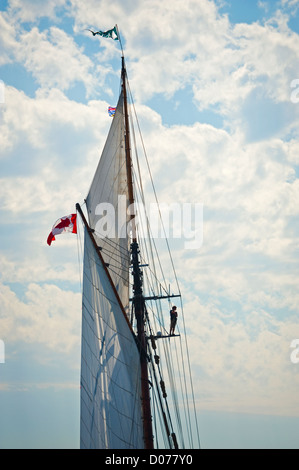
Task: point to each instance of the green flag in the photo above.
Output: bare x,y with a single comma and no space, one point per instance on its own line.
111,33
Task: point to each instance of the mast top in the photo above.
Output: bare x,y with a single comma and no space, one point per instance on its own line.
119,38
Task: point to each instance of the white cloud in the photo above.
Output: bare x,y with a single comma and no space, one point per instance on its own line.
290,3
25,271
223,64
48,315
30,10
8,40
240,287
242,365
245,273
54,59
33,139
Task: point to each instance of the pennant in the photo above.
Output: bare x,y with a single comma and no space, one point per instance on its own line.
111,33
111,111
65,224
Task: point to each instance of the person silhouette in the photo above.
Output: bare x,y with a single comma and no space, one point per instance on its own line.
173,319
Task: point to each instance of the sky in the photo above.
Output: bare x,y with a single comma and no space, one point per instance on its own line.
216,88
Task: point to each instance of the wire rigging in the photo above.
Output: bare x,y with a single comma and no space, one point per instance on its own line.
153,280
163,354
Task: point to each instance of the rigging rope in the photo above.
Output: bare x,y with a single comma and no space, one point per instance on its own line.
168,356
167,350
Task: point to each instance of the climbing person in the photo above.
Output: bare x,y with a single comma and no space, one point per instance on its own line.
173,319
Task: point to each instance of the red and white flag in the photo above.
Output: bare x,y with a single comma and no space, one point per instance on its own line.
65,224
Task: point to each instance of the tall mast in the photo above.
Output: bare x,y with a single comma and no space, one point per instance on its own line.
127,146
138,298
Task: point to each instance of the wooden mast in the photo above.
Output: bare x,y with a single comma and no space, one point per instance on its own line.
138,298
128,148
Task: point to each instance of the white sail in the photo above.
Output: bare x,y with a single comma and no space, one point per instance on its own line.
107,203
116,410
110,369
111,414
